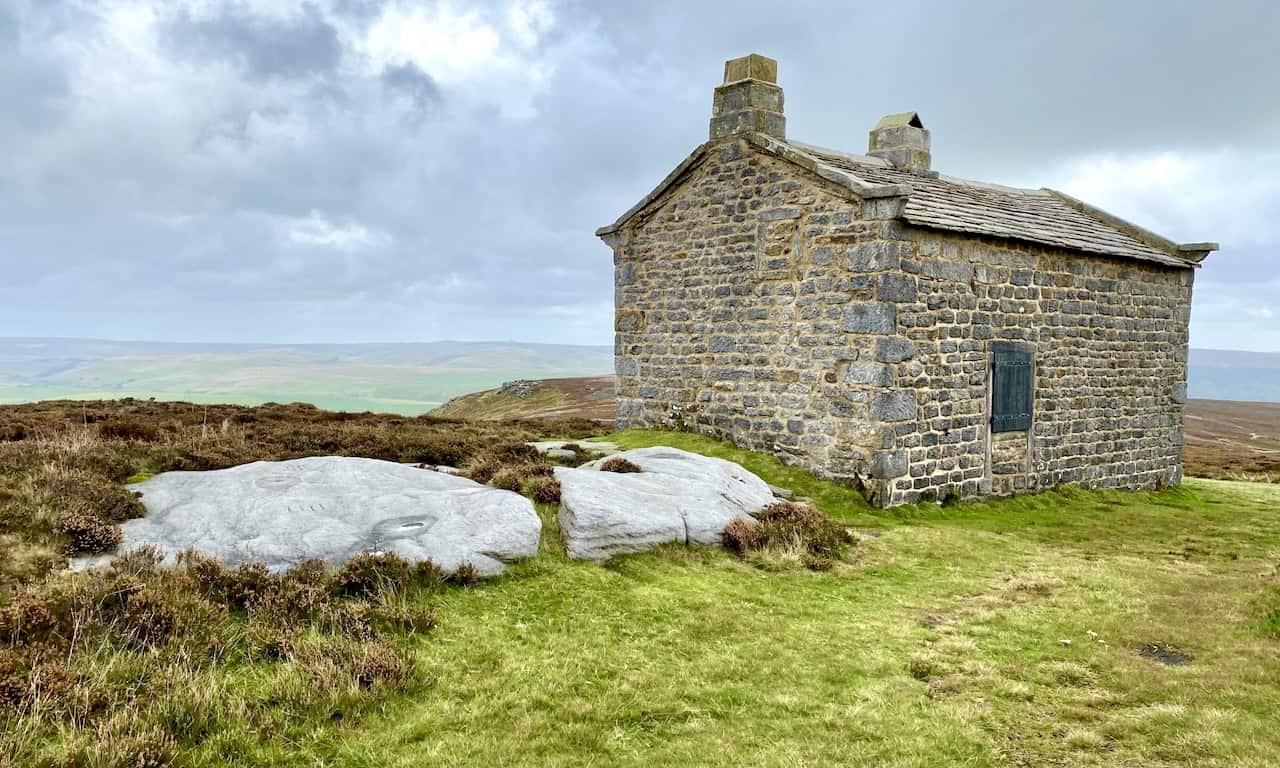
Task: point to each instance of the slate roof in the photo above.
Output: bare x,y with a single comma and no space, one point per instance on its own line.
933,201
1035,215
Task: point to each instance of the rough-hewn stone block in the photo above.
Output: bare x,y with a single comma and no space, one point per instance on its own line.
894,286
875,374
888,464
863,317
894,350
872,256
893,406
721,344
947,270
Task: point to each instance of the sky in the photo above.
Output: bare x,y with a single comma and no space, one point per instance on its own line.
409,170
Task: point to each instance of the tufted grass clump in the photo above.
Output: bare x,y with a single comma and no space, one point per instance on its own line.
427,573
509,479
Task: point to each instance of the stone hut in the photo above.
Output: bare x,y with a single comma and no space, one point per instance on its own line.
916,335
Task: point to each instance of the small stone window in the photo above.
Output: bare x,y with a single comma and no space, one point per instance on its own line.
1012,386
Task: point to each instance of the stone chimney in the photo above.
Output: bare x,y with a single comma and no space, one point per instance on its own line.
902,140
750,100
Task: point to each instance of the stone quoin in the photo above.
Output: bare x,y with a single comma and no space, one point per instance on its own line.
916,335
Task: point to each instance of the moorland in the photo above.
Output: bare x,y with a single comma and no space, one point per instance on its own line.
1069,628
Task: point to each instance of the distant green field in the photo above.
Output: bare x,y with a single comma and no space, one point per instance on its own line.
388,390
408,379
335,402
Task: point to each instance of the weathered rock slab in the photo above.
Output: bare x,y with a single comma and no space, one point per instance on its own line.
678,496
332,508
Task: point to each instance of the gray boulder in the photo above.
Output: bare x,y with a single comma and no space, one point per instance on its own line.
679,496
332,508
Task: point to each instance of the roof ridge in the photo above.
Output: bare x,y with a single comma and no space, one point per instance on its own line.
788,150
882,163
868,159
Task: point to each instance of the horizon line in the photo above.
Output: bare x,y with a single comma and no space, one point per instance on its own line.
294,343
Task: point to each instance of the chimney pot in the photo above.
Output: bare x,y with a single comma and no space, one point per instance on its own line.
903,141
749,100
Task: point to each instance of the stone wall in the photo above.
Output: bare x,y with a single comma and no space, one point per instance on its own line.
1110,339
758,303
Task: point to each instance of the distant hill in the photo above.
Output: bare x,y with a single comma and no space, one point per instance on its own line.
397,378
585,397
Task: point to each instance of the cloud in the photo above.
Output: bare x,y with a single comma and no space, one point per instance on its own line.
318,231
413,83
296,45
1236,315
346,170
470,49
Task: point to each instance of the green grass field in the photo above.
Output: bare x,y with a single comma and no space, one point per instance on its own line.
999,633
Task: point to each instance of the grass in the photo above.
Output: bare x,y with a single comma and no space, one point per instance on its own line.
998,633
942,643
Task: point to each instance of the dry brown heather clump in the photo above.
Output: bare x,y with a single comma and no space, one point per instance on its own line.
788,533
465,576
512,467
619,464
543,490
86,533
371,574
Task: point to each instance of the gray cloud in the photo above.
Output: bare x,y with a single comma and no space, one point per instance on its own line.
327,172
305,45
414,83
